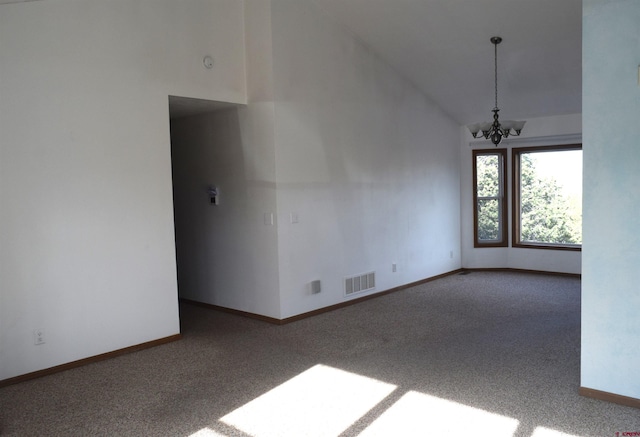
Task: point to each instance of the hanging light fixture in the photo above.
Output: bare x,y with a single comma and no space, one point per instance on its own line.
496,130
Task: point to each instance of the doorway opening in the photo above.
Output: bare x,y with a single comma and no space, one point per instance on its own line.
202,133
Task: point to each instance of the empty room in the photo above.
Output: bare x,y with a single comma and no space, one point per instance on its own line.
319,217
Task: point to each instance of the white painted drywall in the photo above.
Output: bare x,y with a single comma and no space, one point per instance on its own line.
562,129
368,165
86,217
383,189
611,248
226,253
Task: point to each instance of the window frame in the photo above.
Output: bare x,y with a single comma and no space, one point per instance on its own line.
503,226
515,198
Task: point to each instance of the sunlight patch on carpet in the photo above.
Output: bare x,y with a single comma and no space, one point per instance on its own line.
322,401
206,432
420,415
541,431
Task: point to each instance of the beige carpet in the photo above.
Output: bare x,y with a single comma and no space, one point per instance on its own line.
483,354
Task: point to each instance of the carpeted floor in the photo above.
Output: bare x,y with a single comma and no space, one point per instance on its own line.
487,353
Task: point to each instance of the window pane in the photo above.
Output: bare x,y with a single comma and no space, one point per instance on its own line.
488,171
489,189
551,197
489,220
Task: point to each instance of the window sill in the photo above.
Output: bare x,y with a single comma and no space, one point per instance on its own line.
549,246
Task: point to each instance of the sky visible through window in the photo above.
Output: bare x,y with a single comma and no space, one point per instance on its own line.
550,197
565,166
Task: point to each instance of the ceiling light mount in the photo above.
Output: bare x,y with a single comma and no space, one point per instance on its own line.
496,130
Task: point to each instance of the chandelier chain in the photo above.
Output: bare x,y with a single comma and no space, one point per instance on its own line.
496,130
495,60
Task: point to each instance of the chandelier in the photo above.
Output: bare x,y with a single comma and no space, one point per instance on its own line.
496,130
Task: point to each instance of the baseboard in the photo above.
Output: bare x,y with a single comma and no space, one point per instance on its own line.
609,397
89,360
292,319
538,272
364,298
319,310
17,379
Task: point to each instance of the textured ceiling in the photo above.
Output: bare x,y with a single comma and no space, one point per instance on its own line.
443,47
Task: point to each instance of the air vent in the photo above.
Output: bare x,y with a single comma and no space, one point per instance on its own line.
360,283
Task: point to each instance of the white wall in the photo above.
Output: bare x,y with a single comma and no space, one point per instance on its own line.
563,129
331,133
611,249
368,164
226,253
86,219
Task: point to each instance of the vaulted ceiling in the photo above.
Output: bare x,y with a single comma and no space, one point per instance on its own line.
14,1
443,47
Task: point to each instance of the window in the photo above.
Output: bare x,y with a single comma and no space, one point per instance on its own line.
490,206
547,197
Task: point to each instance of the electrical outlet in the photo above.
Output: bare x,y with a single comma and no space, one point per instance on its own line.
394,268
451,254
38,337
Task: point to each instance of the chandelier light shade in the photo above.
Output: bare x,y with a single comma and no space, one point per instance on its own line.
496,130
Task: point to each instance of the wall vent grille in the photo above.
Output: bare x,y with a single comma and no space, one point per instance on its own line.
360,283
